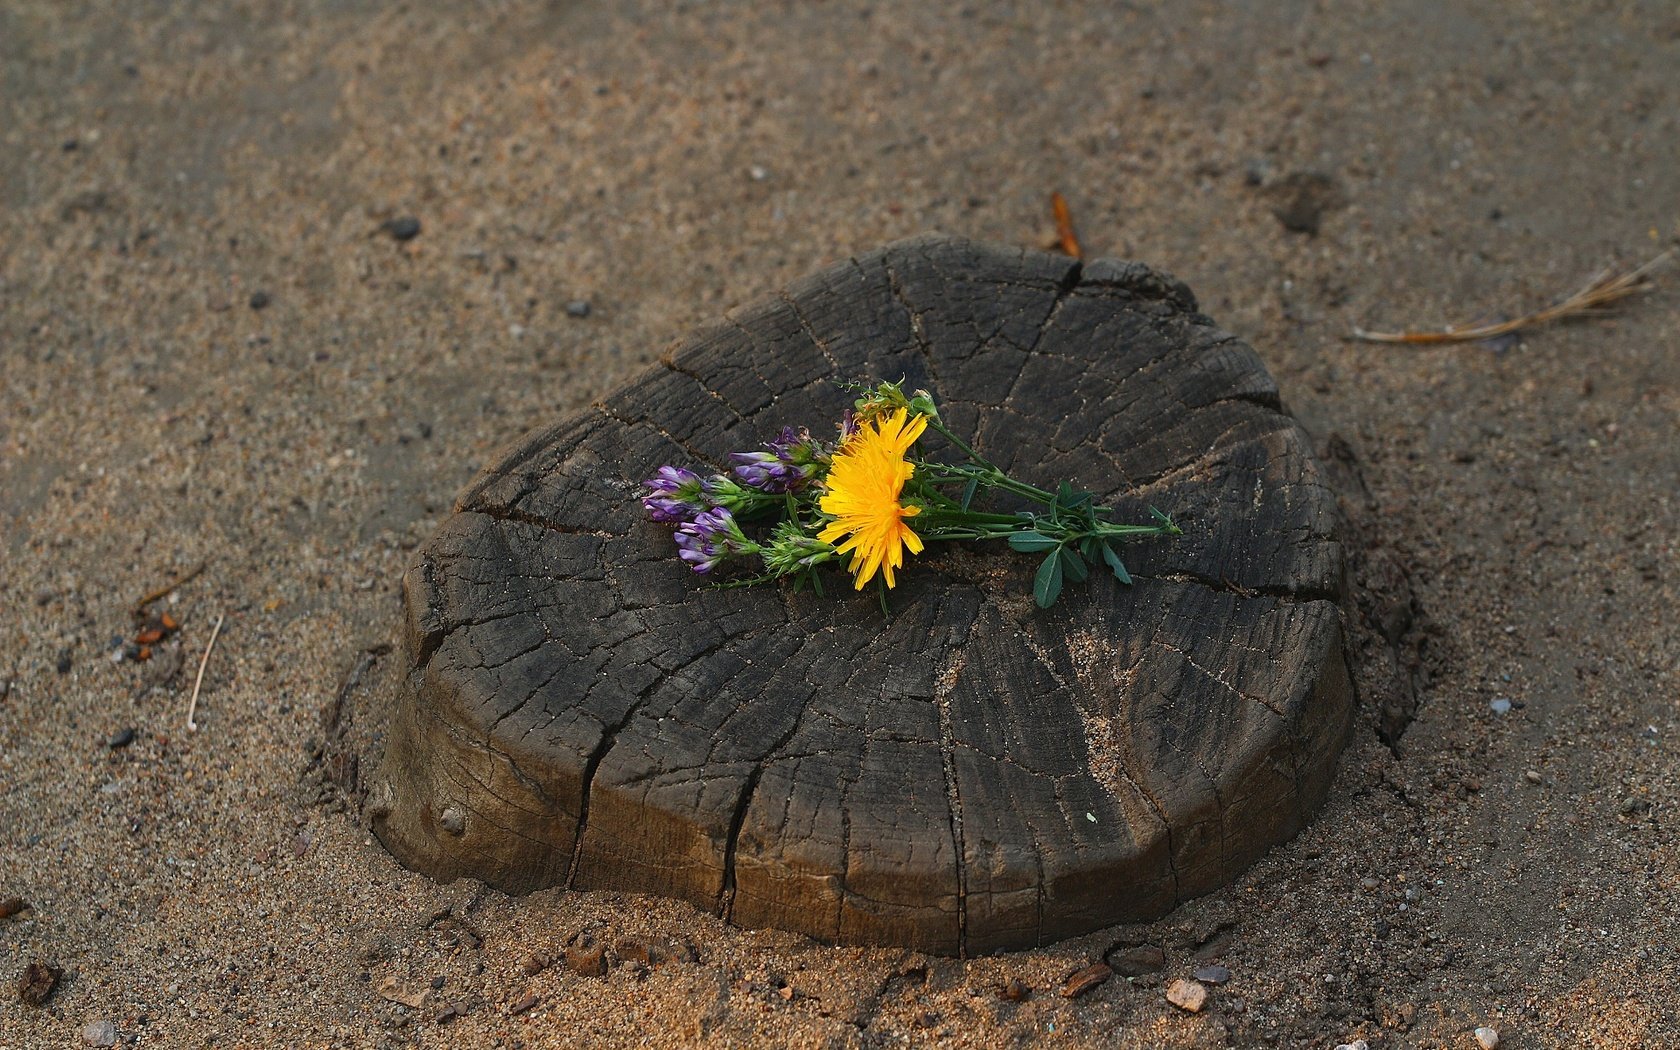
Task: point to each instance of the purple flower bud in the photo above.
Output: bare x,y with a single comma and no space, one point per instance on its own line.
674,495
787,464
706,540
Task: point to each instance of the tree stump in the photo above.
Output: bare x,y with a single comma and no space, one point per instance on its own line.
967,774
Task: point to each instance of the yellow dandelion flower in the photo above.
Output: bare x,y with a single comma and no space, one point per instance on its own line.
864,484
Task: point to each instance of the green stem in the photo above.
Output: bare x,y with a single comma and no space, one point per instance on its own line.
987,474
940,517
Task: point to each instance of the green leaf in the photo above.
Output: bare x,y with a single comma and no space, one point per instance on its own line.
1047,585
1065,494
1030,541
1088,547
1073,565
969,490
1114,563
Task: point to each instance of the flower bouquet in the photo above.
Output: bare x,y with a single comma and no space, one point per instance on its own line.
869,496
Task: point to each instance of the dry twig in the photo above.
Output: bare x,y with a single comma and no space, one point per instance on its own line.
1066,240
1597,293
140,606
192,705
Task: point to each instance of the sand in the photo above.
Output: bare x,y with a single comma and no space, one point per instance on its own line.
214,350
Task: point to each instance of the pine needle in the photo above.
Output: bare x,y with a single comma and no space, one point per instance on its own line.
1601,291
1067,242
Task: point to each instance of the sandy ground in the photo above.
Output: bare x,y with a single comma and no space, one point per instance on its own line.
212,350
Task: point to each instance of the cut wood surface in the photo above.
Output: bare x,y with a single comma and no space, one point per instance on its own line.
966,774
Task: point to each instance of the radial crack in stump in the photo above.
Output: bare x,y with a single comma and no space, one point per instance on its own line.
965,775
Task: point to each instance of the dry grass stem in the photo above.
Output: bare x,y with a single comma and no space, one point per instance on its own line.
192,705
140,606
1596,294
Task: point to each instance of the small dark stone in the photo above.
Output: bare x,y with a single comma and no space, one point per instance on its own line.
259,300
1212,974
36,985
437,983
577,308
450,1012
1137,960
122,739
527,1003
405,228
64,662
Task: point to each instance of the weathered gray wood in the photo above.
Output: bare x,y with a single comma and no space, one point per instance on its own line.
969,774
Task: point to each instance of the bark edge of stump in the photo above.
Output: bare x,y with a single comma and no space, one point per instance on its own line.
969,775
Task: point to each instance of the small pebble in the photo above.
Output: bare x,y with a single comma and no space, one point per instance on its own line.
577,308
99,1033
1013,990
404,229
437,983
1212,974
1633,806
259,300
36,985
534,964
527,1003
1487,1038
64,663
1500,705
1357,1044
453,820
1189,996
587,961
121,739
1532,776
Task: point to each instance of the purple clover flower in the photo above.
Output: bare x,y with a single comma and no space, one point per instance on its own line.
787,463
707,539
675,495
